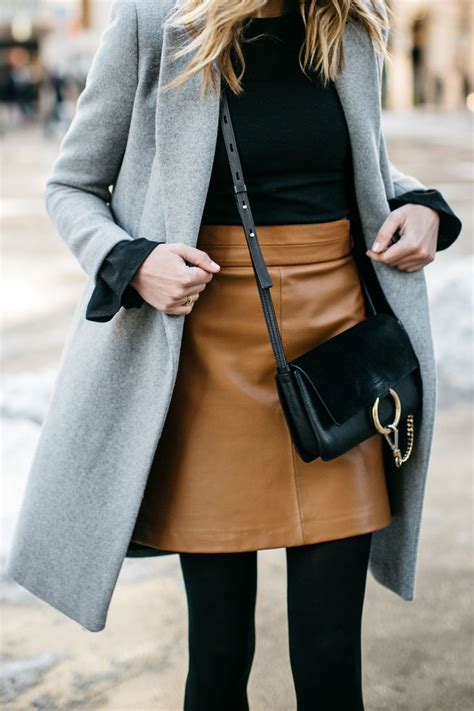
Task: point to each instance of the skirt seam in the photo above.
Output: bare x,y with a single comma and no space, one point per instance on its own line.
295,473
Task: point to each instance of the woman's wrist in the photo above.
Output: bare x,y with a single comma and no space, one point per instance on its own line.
113,289
137,279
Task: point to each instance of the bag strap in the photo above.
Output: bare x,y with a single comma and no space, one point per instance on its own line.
264,282
263,279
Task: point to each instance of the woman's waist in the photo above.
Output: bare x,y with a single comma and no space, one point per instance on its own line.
281,244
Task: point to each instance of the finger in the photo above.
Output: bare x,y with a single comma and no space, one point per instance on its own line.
180,310
196,276
410,265
385,234
194,290
410,260
197,257
190,300
184,292
413,268
399,251
184,306
416,259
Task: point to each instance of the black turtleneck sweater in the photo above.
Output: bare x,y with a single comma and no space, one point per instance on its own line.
291,134
295,151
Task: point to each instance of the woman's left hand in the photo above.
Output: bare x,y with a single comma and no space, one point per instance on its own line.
418,226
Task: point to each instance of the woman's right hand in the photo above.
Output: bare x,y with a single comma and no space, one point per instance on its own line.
165,281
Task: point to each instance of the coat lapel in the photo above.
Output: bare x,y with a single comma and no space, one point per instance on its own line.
186,135
358,87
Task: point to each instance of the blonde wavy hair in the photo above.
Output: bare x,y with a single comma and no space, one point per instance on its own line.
216,27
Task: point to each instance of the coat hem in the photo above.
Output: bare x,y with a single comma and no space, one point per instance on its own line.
69,612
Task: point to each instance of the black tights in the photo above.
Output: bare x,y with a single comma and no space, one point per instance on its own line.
326,587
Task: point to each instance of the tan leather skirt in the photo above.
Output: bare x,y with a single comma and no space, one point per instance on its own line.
225,476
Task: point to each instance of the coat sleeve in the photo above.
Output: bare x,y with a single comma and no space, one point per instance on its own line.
77,193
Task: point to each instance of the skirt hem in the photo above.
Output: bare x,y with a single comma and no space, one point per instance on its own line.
289,539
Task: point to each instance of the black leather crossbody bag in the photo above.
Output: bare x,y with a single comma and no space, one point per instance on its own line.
362,381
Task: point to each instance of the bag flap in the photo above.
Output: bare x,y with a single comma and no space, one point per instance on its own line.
348,371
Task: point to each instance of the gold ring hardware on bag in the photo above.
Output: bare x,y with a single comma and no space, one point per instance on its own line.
392,429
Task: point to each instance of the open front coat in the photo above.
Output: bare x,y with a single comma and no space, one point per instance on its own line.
116,379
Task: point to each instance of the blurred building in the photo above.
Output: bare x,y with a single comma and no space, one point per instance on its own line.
432,48
46,47
431,45
58,34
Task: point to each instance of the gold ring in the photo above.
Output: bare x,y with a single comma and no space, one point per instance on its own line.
398,412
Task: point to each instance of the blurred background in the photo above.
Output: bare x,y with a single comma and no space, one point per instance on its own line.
417,655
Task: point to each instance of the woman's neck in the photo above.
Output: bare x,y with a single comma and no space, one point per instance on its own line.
274,8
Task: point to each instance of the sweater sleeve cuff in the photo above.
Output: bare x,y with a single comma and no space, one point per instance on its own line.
112,289
450,225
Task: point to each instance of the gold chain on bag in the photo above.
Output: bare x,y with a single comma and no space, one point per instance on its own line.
391,431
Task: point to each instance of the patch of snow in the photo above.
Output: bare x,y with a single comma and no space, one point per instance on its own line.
17,676
451,294
26,395
24,400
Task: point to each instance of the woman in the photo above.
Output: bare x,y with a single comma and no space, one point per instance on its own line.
138,455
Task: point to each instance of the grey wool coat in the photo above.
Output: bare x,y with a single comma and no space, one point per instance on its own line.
116,379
